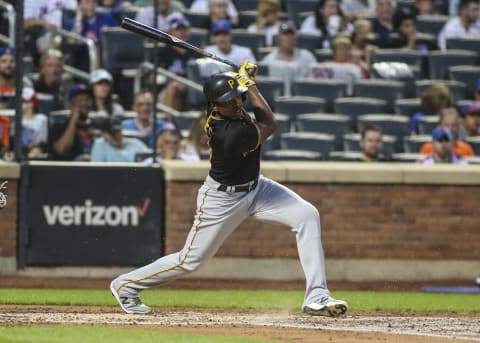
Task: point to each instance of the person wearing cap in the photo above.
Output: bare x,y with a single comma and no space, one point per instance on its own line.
470,119
286,58
72,141
267,20
101,82
111,146
442,142
7,77
34,126
221,36
233,191
175,60
146,15
449,120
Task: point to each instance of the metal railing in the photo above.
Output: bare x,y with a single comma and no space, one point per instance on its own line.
9,15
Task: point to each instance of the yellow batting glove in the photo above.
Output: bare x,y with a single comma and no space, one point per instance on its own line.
242,79
249,70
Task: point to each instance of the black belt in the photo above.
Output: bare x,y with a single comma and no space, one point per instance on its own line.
241,188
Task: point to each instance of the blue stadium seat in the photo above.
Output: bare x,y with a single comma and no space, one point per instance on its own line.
413,144
345,156
440,61
292,155
470,43
351,143
475,143
121,49
457,88
426,124
408,107
335,124
355,106
406,157
432,23
326,89
319,142
298,104
394,125
389,90
469,75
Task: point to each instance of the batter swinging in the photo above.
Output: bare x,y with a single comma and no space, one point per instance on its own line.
234,191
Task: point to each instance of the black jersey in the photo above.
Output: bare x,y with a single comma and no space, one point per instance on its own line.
234,149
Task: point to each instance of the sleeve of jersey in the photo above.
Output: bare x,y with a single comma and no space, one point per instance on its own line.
242,139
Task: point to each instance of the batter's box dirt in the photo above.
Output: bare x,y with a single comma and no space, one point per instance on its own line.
254,324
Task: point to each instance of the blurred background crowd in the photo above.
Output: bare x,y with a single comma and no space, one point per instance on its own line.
348,80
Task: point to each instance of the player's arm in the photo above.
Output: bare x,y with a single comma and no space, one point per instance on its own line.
263,113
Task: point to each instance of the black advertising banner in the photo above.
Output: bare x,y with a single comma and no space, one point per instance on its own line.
83,214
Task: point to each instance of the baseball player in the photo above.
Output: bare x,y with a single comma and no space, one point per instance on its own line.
233,191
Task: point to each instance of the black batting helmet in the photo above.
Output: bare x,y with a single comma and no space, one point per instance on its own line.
222,87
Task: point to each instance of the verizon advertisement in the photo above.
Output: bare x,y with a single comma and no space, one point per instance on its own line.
74,215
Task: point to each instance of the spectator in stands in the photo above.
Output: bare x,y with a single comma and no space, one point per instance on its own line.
423,7
175,60
371,144
342,53
34,126
72,141
442,142
361,39
204,6
103,104
7,77
195,147
116,7
168,146
88,23
433,100
449,120
42,19
466,24
50,78
287,56
382,24
217,9
143,123
267,20
327,21
353,9
111,146
165,7
221,36
470,119
405,26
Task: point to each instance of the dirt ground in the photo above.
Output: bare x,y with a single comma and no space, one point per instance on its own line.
287,326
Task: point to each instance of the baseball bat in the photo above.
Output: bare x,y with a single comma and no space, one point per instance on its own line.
161,36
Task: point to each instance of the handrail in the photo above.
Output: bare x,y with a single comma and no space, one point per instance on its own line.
149,66
9,40
92,50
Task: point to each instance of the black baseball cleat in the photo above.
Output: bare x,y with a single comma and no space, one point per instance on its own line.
327,307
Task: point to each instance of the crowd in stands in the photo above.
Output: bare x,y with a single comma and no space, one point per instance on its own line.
75,111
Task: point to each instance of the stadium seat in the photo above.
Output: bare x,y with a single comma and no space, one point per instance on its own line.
410,57
389,90
297,104
326,89
413,144
121,49
470,43
351,143
196,19
431,23
283,126
408,107
426,124
184,120
440,61
323,55
199,37
469,75
335,124
294,7
292,155
475,143
260,53
46,103
142,156
271,89
320,142
355,106
457,88
406,157
344,156
136,134
246,5
394,125
253,40
308,41
59,117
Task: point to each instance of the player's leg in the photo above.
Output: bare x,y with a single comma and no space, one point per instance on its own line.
275,202
218,214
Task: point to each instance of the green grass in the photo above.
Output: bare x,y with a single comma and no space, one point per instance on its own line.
261,300
83,334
